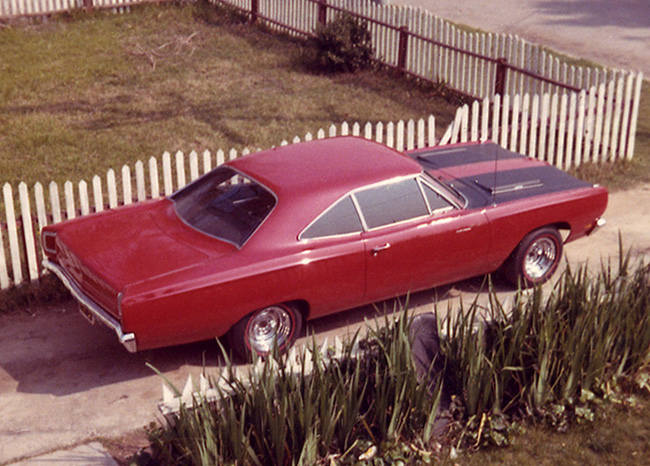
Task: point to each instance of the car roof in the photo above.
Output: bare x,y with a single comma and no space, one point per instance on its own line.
325,168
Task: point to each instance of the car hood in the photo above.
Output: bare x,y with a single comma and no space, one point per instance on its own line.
486,173
129,245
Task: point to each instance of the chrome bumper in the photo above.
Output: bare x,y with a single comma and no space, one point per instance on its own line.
127,339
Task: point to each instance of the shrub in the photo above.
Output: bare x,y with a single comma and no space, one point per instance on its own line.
343,45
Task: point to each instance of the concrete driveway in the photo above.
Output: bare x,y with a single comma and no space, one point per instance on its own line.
65,382
615,33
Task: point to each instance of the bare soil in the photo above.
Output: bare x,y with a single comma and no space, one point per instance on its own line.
64,382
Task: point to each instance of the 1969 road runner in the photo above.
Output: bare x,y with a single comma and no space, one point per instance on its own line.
255,247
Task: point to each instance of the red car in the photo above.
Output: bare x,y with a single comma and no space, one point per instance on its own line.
262,243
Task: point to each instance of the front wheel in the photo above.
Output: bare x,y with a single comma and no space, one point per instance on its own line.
536,258
273,327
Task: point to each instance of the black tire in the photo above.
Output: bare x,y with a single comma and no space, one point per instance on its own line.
535,259
273,327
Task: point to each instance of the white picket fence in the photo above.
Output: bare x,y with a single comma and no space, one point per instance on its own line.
26,8
436,50
562,130
440,51
26,215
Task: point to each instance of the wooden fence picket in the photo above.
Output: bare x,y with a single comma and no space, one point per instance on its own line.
571,128
12,231
127,196
559,151
4,276
68,194
55,202
111,186
207,161
41,213
194,165
84,201
180,170
635,115
154,181
98,197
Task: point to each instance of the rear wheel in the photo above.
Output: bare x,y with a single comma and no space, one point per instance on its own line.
536,258
263,331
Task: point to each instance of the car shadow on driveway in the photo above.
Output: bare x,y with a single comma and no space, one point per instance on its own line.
56,351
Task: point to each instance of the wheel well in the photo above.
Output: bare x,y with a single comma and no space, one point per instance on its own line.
302,306
564,228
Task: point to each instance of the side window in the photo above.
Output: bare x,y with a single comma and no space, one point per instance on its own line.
340,219
435,200
391,203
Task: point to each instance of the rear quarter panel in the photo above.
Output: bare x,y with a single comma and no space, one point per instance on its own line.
512,221
207,301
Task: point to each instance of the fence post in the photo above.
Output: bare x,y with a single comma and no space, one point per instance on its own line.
500,78
88,5
322,12
403,47
255,9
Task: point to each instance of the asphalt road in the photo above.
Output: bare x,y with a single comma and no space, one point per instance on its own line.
615,33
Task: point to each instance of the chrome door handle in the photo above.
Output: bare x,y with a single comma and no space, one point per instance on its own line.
378,249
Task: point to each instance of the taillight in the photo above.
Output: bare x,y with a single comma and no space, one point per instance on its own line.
49,243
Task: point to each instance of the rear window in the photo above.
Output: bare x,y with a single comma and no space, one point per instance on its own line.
224,204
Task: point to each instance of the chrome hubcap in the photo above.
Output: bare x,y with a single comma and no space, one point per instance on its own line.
540,258
268,327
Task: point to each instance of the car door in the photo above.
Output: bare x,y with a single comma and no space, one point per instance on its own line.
415,238
333,261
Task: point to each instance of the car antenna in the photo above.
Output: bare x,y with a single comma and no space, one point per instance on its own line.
494,184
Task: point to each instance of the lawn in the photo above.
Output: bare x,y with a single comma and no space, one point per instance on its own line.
83,94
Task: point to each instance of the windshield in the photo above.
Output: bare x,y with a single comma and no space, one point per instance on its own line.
224,204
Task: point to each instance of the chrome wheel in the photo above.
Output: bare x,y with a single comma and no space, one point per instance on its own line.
535,259
269,327
540,259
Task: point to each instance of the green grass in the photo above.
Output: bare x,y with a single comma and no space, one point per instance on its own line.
79,96
620,437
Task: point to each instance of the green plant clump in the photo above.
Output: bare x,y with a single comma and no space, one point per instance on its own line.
343,45
552,359
342,410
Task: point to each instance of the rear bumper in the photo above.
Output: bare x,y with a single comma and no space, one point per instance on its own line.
127,339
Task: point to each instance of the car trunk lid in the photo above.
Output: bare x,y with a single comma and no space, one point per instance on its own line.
131,245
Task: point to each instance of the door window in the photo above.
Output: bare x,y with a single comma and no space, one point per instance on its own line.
391,203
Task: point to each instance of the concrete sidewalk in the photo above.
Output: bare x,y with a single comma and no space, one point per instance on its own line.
614,33
91,454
